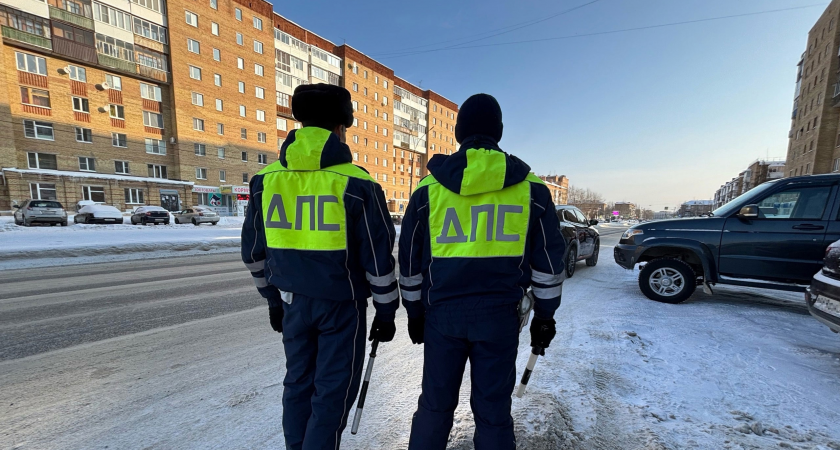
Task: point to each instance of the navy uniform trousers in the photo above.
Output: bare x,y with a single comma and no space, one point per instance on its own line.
324,341
489,340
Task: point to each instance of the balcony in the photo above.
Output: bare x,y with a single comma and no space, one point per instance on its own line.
26,38
73,19
143,41
284,111
116,63
74,50
151,72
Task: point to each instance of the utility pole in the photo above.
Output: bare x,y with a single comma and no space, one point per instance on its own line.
411,175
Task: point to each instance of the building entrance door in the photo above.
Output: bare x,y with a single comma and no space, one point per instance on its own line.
170,202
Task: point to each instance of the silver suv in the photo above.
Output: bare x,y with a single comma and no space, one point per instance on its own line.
196,215
40,211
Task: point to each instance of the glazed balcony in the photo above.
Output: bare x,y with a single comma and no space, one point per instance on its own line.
26,38
71,18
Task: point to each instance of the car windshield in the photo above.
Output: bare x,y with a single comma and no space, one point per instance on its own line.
43,204
735,203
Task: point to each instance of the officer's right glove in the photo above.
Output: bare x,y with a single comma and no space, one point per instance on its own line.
275,315
542,332
382,330
416,329
275,307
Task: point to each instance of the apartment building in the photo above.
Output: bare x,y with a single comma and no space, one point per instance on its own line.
626,210
169,103
814,142
558,185
696,208
758,172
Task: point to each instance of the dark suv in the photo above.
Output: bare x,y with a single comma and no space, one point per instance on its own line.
582,241
773,236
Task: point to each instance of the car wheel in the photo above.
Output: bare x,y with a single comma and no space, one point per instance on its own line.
177,222
18,222
166,223
667,280
213,223
571,261
64,224
593,260
195,222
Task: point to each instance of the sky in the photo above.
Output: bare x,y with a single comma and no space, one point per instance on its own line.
655,117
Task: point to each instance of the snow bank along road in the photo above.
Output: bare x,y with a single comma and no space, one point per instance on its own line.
178,353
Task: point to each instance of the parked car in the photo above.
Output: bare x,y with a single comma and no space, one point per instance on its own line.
583,243
197,215
154,215
82,203
823,297
40,211
773,237
396,218
103,214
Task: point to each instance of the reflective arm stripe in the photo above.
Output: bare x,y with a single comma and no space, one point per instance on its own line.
548,293
410,296
256,265
386,298
545,278
260,282
382,281
413,280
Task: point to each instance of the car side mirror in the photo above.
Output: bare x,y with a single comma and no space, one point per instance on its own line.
749,212
593,222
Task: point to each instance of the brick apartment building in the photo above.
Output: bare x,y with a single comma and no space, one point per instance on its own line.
146,102
696,208
558,185
625,210
814,142
758,172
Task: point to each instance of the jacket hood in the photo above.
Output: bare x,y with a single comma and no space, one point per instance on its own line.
313,148
480,166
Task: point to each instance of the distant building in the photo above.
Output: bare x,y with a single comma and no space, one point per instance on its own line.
758,172
696,208
660,215
559,187
625,210
593,210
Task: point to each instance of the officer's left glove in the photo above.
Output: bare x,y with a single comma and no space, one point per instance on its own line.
417,329
275,307
542,332
382,330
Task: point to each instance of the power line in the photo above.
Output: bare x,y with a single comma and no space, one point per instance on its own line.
516,27
601,33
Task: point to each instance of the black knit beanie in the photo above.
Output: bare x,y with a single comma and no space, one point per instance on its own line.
480,114
322,105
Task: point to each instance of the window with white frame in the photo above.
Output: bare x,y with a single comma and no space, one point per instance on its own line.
261,115
80,104
134,196
192,18
200,149
222,176
119,140
258,46
220,129
244,156
238,14
77,73
201,173
219,104
239,39
84,135
281,124
31,63
42,191
150,30
197,99
259,92
217,54
87,164
220,152
297,126
217,79
243,133
261,137
355,139
214,4
262,158
259,70
113,81
116,111
153,120
121,167
155,146
150,92
240,63
258,23
243,111
35,97
241,87
114,17
355,156
156,171
42,161
244,177
195,73
198,124
280,142
214,28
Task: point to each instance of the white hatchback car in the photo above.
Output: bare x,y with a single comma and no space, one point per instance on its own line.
98,214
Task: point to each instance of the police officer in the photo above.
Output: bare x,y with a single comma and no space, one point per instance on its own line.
479,231
317,239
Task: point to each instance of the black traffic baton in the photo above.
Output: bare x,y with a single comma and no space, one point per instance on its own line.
529,369
361,405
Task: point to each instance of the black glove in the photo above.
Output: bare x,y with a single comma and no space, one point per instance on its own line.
542,332
275,315
416,327
382,330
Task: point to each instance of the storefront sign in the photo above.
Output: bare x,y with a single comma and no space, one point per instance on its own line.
205,189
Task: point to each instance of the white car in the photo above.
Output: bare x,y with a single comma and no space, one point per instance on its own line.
98,214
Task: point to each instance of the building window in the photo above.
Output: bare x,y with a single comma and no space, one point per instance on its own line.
262,158
239,39
355,105
219,104
385,84
42,191
259,70
81,104
155,146
193,46
282,99
214,4
35,97
240,63
217,79
150,92
261,137
836,165
195,73
84,135
153,120
87,164
217,54
385,132
214,28
31,63
257,23
259,92
258,47
192,19
365,92
78,73
121,167
197,99
385,116
355,139
198,124
200,149
364,125
238,14
355,156
156,171
220,152
261,115
220,128
116,111
200,173
119,140
245,177
244,156
242,111
280,142
355,122
297,126
355,87
281,124
222,176
241,87
133,196
42,161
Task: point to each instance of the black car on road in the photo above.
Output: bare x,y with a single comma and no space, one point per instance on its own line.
773,236
145,215
583,242
823,297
